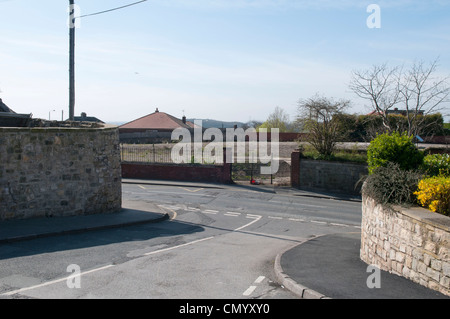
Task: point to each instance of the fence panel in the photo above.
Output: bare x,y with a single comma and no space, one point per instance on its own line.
161,153
145,154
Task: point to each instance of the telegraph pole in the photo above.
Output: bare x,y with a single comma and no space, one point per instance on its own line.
72,26
71,60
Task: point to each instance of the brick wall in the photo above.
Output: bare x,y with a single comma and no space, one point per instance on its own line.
178,172
413,243
295,169
59,172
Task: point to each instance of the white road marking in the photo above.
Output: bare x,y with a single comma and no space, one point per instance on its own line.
170,193
337,224
253,216
252,288
191,191
259,279
318,222
246,225
249,291
48,283
175,247
231,214
296,220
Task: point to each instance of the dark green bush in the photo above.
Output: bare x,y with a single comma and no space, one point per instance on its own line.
392,185
364,128
393,148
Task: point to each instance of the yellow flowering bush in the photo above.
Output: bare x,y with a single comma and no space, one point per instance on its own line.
434,193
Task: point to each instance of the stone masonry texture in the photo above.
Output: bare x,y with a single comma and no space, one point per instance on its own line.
410,242
330,176
53,172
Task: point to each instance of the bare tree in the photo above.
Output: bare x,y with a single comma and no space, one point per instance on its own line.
416,91
317,115
421,94
278,119
379,86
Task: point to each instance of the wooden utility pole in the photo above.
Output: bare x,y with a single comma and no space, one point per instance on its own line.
71,60
72,26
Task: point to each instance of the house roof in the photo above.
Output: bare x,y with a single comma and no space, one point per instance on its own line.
158,121
5,108
85,118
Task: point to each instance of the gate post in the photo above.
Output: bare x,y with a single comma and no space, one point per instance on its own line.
295,168
226,171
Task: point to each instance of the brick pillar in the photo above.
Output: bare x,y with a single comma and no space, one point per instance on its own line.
226,171
295,169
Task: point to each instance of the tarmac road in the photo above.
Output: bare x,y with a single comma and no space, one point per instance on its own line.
219,242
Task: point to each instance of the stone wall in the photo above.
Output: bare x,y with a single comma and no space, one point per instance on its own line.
58,171
337,177
413,243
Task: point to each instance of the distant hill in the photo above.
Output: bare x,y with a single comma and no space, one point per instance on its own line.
218,124
116,123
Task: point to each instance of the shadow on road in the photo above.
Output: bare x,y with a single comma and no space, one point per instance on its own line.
76,241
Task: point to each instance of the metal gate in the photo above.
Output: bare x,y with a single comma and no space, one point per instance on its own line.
251,173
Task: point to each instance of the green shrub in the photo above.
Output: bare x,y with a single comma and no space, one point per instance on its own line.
393,148
436,164
434,194
392,185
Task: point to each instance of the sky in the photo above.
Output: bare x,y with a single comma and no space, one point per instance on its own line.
229,60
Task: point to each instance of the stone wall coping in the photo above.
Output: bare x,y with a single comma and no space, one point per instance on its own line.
174,164
331,162
426,216
105,127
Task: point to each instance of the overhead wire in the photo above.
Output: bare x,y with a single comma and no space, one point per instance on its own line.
110,10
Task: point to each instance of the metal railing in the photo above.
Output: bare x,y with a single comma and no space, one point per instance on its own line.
145,154
159,153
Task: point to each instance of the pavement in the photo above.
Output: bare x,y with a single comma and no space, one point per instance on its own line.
324,267
329,267
132,213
